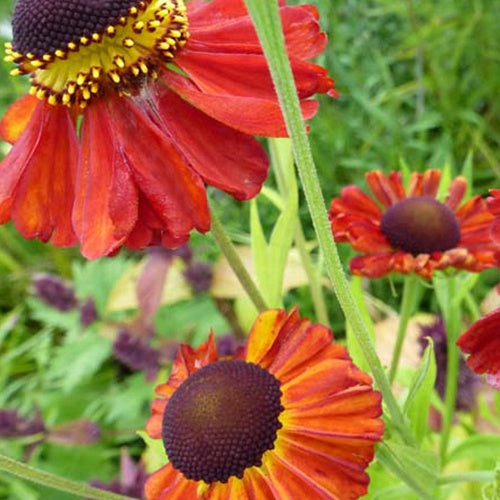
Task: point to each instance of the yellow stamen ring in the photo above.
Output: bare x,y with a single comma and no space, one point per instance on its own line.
120,57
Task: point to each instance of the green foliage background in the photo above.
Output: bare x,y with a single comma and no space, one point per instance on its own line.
419,82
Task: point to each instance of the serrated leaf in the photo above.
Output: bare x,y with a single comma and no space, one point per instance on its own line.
76,361
96,278
418,401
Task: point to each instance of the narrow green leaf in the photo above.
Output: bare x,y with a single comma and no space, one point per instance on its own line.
446,178
259,250
477,448
418,401
467,173
419,469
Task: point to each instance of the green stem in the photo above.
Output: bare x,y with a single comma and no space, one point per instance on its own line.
266,17
407,307
472,306
313,276
46,479
477,476
451,313
227,248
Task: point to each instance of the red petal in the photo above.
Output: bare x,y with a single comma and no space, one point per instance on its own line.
224,157
106,201
387,190
174,191
249,115
37,177
482,342
16,118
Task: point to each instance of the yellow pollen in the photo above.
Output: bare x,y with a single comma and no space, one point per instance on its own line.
117,60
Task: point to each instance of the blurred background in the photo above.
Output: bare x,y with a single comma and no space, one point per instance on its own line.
419,84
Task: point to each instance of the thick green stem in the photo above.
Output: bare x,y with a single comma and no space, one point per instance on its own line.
227,248
407,308
266,17
46,479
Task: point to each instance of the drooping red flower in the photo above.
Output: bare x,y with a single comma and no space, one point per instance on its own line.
482,342
136,105
289,416
412,231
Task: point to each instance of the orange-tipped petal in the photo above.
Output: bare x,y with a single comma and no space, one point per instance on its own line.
37,177
17,117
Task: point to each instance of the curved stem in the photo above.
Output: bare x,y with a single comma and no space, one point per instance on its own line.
407,307
227,248
266,18
52,481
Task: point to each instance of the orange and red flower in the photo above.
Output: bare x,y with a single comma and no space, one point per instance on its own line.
482,342
289,416
411,230
136,105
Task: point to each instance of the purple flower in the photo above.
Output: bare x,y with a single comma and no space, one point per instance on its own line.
135,353
54,292
12,425
88,312
228,344
467,380
199,276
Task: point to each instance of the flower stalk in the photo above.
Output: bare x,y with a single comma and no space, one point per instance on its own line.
407,307
224,243
52,481
265,15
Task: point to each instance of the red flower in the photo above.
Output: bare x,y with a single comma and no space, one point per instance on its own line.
289,416
169,97
411,231
482,342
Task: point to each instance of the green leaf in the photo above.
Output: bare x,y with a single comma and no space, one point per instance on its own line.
446,179
477,448
259,250
155,455
352,344
467,172
418,401
419,469
492,491
96,278
283,232
76,361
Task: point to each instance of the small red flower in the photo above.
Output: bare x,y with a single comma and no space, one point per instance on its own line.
289,416
482,342
412,231
138,105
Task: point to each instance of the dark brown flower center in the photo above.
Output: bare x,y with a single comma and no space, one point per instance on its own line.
43,26
76,50
421,224
222,420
